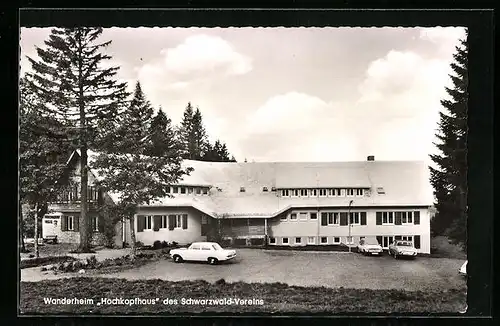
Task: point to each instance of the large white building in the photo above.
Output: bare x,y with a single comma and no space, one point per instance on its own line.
289,204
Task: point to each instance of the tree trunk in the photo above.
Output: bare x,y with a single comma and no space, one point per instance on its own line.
84,228
132,235
37,254
21,228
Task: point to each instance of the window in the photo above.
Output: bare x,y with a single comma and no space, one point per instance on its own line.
387,218
407,238
167,190
380,190
242,189
333,218
285,240
407,217
313,192
303,216
95,225
322,192
349,240
331,192
293,216
359,192
285,193
264,189
178,222
350,192
298,240
205,191
283,217
294,192
272,240
336,239
195,247
190,190
70,223
303,192
163,222
183,190
324,240
48,221
314,216
175,190
205,247
354,218
273,189
204,219
148,222
198,191
338,192
310,240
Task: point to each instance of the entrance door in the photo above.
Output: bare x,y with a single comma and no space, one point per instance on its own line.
386,241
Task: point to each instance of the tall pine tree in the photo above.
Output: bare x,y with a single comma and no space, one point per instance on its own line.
71,78
193,136
129,171
43,150
450,178
163,138
134,123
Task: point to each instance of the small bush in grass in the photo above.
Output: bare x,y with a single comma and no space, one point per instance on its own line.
175,244
91,262
139,244
164,244
220,282
157,244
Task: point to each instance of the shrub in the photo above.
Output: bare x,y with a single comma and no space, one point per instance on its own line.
139,244
157,244
240,242
164,244
257,242
220,282
91,262
175,243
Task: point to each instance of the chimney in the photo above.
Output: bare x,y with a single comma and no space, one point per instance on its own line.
370,158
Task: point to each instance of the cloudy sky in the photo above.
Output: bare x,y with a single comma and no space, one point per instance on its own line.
292,94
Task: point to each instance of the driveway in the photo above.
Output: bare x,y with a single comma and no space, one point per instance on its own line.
329,269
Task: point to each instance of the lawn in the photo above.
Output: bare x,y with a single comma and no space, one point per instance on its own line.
272,298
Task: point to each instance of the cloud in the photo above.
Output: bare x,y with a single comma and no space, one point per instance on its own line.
401,94
286,112
202,53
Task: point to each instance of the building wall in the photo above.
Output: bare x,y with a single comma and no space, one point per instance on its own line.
312,228
181,236
98,239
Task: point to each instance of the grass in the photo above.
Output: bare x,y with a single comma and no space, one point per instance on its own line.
276,298
42,261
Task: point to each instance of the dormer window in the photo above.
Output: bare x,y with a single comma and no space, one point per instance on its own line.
273,189
242,189
264,189
380,190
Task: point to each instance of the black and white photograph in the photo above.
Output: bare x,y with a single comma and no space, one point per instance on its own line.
242,170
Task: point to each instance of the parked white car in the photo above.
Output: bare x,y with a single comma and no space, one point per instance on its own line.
370,246
402,248
210,252
463,270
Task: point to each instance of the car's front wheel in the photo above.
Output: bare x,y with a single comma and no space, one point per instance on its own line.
177,259
212,261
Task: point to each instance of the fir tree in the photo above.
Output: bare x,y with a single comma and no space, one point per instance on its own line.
450,178
185,132
43,150
134,123
80,91
163,138
129,168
